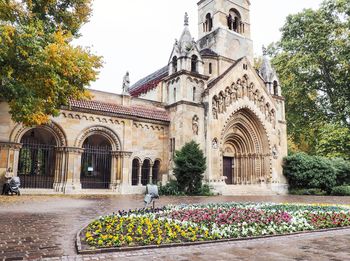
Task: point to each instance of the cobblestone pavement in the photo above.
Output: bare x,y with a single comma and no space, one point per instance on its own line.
44,227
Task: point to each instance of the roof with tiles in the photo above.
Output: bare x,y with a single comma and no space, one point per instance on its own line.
136,111
208,52
149,82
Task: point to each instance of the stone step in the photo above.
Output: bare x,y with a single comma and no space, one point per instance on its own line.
246,190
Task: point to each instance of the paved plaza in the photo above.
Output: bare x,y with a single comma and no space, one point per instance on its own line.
44,227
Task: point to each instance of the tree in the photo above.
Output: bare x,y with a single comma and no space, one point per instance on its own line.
312,60
189,168
39,68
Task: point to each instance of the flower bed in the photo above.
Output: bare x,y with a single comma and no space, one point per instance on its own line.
193,223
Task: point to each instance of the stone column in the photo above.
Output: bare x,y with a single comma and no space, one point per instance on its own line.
9,155
150,174
125,168
140,175
73,165
114,170
60,169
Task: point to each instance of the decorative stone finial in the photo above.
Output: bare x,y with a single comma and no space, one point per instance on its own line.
186,19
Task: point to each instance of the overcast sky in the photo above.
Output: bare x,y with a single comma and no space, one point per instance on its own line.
138,35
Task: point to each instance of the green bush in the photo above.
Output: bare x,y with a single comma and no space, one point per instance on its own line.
313,192
189,168
309,172
341,191
170,189
205,191
343,171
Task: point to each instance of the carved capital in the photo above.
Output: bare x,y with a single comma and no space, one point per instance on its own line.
10,145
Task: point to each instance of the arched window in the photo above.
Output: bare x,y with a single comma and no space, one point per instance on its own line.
135,172
145,172
194,61
275,88
234,21
194,94
208,25
174,64
210,68
155,172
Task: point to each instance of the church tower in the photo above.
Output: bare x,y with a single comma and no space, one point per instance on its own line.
224,27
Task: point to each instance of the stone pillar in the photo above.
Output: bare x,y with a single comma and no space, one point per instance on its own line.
73,165
60,169
9,155
114,171
150,174
140,175
125,168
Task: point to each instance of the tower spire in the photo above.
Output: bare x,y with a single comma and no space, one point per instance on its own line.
186,20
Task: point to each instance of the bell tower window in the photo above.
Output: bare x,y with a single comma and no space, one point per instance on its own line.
174,64
208,25
234,21
275,88
194,61
210,68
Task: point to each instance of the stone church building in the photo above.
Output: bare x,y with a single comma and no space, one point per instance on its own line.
208,92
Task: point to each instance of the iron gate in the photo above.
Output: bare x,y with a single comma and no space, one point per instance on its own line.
96,167
36,167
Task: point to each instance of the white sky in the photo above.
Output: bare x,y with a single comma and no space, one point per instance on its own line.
138,35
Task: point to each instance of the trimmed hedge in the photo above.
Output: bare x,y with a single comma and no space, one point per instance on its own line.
341,191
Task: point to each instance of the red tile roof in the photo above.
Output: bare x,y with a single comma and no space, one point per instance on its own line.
137,111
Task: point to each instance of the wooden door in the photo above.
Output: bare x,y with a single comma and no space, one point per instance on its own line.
228,171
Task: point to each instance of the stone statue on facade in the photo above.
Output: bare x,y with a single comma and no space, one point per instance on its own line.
126,83
215,109
195,124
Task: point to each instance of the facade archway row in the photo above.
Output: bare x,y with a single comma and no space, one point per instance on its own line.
44,161
145,171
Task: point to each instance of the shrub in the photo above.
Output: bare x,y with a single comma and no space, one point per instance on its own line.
170,189
341,191
205,191
312,191
303,171
343,171
189,168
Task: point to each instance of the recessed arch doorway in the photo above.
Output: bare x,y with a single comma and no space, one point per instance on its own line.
246,157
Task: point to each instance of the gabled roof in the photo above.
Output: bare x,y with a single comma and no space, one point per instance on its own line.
216,80
149,82
120,110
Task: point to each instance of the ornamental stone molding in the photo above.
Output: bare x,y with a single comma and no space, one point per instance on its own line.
109,134
92,118
237,91
52,127
10,145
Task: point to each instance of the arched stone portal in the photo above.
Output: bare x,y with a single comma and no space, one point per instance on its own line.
96,163
245,152
37,159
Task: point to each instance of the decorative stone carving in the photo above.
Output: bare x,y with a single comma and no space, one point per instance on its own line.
126,83
215,108
195,124
215,144
101,130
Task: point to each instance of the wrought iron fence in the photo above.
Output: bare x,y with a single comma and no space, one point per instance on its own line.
96,167
36,167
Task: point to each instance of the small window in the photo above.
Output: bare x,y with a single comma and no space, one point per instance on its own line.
174,64
275,88
194,94
208,25
174,94
210,68
194,62
172,147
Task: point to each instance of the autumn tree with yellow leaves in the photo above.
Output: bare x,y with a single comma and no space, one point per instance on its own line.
39,68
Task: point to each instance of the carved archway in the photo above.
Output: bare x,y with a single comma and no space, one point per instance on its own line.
245,149
105,132
53,128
